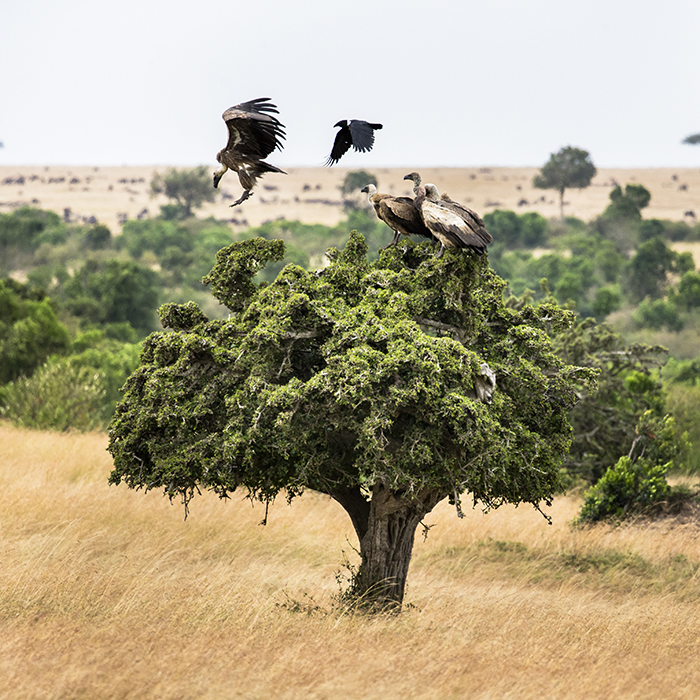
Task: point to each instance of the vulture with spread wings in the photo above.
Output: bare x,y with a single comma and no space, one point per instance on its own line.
253,133
356,133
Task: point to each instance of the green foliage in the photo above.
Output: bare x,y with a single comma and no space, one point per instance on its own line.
658,314
523,231
607,299
190,188
625,489
153,234
97,237
77,391
648,271
688,295
29,330
113,292
637,482
58,396
363,380
692,139
569,167
604,420
24,230
627,204
651,228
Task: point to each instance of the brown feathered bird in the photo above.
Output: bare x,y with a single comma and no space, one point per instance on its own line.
253,133
447,225
356,133
479,237
398,213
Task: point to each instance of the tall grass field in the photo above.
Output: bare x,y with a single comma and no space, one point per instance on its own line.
110,593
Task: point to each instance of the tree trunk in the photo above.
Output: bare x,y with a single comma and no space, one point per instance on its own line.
387,544
561,203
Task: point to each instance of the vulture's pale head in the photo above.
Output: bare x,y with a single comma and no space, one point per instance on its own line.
369,189
431,192
413,176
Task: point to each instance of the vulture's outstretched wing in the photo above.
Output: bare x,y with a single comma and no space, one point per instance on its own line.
252,131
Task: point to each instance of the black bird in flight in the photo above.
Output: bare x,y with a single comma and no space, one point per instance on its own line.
356,133
253,133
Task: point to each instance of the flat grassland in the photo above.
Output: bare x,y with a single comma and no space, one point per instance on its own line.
312,195
109,593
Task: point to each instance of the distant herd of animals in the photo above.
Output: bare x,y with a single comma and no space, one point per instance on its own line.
254,133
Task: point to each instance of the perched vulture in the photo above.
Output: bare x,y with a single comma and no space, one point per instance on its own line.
356,133
470,217
447,225
252,135
398,213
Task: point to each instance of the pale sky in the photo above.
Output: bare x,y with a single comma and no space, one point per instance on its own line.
455,82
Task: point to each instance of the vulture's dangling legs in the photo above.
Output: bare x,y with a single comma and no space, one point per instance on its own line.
242,198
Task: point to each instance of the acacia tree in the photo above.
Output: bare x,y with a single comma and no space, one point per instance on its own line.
190,188
568,167
370,382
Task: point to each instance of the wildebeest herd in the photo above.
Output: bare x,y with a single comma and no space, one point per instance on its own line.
254,133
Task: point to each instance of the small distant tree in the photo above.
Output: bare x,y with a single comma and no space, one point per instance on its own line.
189,188
567,168
372,382
648,271
627,203
353,182
693,139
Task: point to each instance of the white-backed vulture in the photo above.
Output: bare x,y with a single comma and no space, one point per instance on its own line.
479,235
356,133
252,135
448,226
398,213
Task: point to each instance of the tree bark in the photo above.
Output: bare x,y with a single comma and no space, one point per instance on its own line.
387,545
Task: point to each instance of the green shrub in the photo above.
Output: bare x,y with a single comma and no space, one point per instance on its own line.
637,481
627,488
58,396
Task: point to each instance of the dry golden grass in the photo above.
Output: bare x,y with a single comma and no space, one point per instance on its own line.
312,195
108,593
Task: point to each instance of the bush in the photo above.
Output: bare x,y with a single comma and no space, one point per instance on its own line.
58,396
29,330
658,314
625,489
637,482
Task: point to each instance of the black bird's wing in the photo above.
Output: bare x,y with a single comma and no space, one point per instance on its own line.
362,134
342,143
252,131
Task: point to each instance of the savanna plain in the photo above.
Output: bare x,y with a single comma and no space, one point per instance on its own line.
110,593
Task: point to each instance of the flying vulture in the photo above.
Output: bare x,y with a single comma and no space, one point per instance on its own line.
252,135
398,213
356,133
447,225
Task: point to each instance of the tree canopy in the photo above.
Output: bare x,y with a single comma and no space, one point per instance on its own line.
370,382
189,188
567,168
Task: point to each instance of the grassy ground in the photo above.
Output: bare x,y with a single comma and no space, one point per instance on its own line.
108,593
